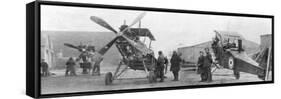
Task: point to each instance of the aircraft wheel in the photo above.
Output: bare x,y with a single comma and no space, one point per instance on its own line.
231,62
108,78
151,77
262,77
236,74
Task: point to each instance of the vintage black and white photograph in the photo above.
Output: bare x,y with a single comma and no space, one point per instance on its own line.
87,49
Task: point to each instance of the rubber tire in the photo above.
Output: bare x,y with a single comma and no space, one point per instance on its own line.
231,62
236,74
233,67
262,77
151,77
108,78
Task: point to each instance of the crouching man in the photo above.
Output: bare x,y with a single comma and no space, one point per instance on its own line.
45,68
70,67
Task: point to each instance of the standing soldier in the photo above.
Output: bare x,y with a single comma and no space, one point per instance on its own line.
207,65
44,66
95,62
96,67
175,65
70,67
92,59
160,65
84,64
200,69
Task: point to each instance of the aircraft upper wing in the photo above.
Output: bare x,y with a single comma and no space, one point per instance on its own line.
228,35
142,32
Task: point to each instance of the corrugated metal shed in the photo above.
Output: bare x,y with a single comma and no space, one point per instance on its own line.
191,53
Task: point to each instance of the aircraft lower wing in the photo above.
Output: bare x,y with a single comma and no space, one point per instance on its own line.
245,64
244,56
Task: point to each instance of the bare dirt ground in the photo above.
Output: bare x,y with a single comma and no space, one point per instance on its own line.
132,80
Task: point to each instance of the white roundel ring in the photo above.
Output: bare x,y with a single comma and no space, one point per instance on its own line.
230,62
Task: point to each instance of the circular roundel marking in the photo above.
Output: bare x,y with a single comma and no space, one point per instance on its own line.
230,62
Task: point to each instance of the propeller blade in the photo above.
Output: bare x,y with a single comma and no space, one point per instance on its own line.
103,50
102,23
137,19
72,46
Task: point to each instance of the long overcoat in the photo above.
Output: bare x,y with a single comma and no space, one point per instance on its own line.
175,63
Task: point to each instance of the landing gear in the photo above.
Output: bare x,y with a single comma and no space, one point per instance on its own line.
108,78
151,77
231,62
231,65
262,77
236,74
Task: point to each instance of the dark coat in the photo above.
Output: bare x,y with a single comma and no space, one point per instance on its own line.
175,63
207,66
161,62
200,63
208,60
166,61
70,64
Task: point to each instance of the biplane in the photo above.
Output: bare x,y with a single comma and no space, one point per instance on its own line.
229,53
135,54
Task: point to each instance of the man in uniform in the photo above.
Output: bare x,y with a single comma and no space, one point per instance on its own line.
200,69
70,67
175,65
96,67
84,63
207,65
95,61
160,65
44,67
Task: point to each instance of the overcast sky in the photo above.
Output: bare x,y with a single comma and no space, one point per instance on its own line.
169,29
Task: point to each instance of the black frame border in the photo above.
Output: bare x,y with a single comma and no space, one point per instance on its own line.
33,27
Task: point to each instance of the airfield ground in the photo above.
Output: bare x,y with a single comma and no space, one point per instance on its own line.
131,80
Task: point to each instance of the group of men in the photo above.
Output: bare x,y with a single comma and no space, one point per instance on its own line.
162,63
87,62
204,65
